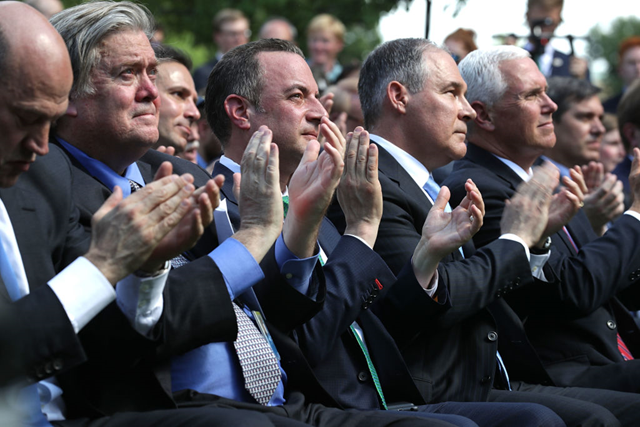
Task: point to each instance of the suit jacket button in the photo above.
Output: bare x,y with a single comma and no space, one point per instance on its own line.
48,368
40,372
492,336
365,305
58,364
362,376
611,324
485,379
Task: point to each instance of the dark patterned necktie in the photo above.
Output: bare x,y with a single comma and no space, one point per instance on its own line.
259,364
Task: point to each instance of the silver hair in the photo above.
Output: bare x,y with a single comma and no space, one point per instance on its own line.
83,27
480,69
400,60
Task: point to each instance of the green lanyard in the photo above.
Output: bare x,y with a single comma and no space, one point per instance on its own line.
372,368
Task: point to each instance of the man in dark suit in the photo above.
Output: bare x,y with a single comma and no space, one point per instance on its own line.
230,28
408,104
628,70
628,123
333,339
583,339
41,233
105,130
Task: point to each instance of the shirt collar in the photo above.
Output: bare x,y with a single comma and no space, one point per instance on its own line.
524,175
418,172
104,173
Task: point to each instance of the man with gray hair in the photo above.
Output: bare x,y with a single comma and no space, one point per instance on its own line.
579,338
413,101
111,122
44,328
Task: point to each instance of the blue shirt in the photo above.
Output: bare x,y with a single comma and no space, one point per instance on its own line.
214,368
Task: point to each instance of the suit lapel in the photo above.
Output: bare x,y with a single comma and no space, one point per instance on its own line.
396,173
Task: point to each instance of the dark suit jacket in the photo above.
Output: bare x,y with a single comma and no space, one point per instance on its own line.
45,223
573,322
197,311
560,65
611,104
201,74
356,279
452,356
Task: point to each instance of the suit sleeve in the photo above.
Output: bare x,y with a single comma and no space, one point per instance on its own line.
577,283
38,338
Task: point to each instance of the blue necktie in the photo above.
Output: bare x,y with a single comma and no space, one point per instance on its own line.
28,395
432,188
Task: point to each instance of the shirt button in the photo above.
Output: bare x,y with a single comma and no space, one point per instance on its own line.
362,376
492,336
534,269
611,324
288,275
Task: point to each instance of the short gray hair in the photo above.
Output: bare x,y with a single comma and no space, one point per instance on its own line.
239,72
83,27
480,69
398,60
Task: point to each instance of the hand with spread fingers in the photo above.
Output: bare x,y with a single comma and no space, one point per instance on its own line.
444,232
311,189
567,202
526,213
259,196
359,192
124,233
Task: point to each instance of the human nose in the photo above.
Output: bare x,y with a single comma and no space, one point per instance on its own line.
38,141
147,90
316,110
466,112
597,127
191,112
548,106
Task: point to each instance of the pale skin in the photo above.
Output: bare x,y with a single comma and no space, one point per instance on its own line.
124,233
527,212
604,199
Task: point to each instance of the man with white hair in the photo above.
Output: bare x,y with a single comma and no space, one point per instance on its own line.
413,101
580,331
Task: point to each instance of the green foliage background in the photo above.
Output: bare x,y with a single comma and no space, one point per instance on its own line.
187,23
605,45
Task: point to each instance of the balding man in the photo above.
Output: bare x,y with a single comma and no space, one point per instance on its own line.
40,233
580,333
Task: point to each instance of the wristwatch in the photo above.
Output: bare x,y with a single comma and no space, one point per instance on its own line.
544,249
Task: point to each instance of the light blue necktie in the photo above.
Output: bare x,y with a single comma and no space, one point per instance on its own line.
432,188
28,395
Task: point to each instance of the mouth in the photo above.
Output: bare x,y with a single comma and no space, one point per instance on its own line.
546,125
310,135
185,130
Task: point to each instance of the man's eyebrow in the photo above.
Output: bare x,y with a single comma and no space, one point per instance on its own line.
297,86
535,91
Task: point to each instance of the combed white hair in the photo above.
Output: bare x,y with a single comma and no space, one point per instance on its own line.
480,70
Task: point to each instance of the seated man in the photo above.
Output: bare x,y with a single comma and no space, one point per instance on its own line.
580,333
208,304
409,90
579,132
357,370
41,235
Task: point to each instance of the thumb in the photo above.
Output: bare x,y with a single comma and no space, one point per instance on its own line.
442,199
108,205
164,170
237,179
310,153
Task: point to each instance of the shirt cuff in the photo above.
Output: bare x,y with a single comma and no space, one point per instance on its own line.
140,299
536,263
296,271
513,237
238,267
361,239
83,291
634,214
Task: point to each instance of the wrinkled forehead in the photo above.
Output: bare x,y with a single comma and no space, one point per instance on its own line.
125,47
